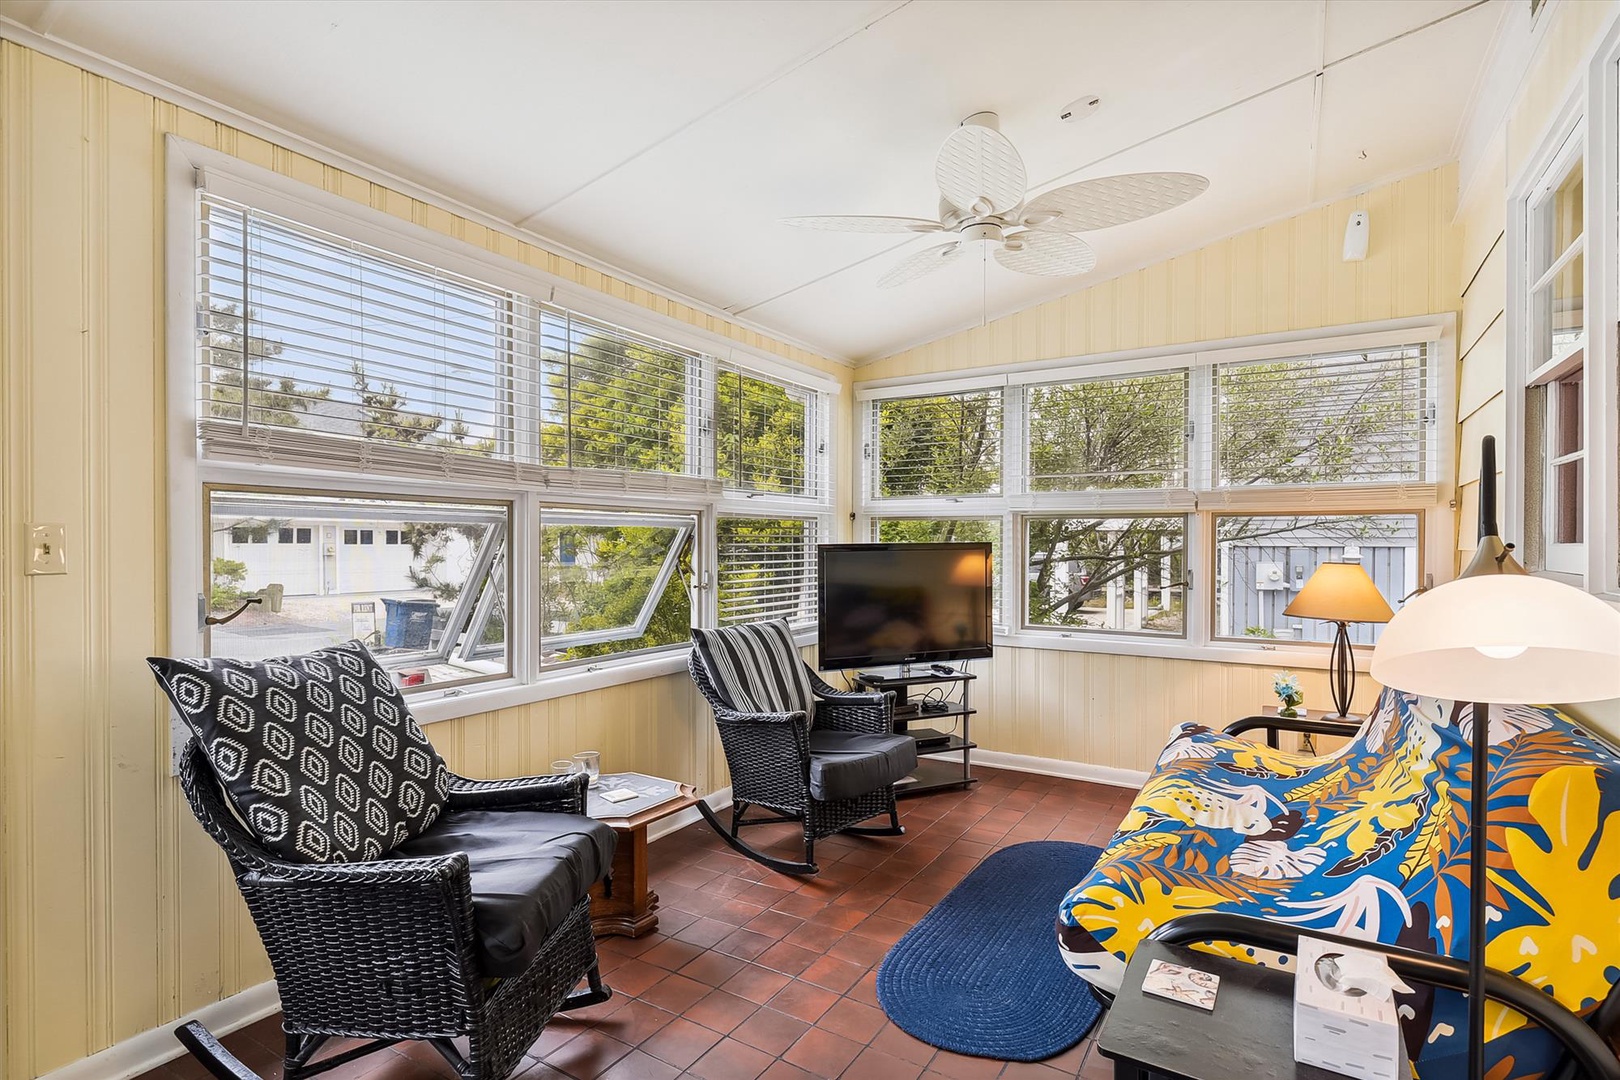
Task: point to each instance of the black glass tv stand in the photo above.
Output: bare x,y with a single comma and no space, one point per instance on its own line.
937,764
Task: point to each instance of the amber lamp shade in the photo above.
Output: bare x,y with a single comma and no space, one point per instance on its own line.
1341,593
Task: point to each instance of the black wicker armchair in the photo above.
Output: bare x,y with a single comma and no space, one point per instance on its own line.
829,766
396,899
388,950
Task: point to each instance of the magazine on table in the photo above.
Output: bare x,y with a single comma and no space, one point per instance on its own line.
1180,983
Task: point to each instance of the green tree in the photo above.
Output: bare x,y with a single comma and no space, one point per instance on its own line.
279,402
228,576
615,404
1119,433
596,577
383,414
944,445
1265,439
759,435
1073,560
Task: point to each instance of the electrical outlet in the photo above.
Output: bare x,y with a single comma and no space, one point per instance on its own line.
47,550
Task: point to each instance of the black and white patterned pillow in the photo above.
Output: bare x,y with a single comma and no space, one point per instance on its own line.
318,752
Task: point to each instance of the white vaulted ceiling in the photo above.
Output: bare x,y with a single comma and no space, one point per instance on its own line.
669,138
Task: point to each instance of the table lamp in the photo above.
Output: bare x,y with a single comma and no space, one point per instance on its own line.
1497,634
1341,593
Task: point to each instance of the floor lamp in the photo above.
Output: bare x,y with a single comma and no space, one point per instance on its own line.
1497,635
1341,593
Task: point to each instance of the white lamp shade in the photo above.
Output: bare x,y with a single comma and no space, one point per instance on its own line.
1508,639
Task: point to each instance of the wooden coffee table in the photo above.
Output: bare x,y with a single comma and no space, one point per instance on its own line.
632,909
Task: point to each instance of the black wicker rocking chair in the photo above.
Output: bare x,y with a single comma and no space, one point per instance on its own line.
385,950
781,762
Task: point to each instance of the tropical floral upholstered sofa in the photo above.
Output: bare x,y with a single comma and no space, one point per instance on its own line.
1372,841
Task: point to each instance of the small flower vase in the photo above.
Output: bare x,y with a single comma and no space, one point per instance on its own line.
1290,709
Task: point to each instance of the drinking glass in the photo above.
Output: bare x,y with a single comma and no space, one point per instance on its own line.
589,762
564,768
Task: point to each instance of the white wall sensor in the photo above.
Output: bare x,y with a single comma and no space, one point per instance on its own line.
1355,237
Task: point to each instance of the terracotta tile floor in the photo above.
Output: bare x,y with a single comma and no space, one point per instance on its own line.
752,974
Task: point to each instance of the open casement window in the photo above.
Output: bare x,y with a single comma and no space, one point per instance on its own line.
433,608
1556,248
1128,432
767,569
613,583
1088,572
767,435
1363,417
1556,384
980,530
938,445
1262,562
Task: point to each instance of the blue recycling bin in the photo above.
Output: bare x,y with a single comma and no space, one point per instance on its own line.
408,624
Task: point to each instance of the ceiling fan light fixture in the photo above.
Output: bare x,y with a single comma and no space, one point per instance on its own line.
984,196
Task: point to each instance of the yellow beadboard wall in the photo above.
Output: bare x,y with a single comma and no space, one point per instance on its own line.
1283,276
1116,711
119,915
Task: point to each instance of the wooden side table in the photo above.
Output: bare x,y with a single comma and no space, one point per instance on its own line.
1249,1033
632,909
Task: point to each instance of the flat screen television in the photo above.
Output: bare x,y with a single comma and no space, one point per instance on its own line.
903,603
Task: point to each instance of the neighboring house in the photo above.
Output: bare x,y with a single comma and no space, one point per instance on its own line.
325,558
1258,579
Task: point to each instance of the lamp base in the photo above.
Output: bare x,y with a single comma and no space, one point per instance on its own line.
1342,670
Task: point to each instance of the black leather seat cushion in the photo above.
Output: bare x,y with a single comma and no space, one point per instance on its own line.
529,869
845,764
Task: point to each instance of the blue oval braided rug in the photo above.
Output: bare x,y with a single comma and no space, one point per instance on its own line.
980,974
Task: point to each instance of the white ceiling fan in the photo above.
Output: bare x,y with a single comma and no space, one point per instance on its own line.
982,198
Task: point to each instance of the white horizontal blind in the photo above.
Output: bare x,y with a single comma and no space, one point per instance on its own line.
614,399
319,351
318,334
767,436
942,444
1339,418
767,569
1127,432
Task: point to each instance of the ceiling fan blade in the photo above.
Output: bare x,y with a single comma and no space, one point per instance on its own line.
1047,254
923,262
979,171
1110,200
865,223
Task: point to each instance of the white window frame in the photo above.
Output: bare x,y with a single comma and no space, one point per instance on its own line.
190,167
1589,118
1566,144
1603,321
686,527
1432,499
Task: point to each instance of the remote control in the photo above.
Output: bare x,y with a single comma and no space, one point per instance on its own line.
942,669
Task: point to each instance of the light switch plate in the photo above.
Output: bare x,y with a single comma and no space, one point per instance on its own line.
47,551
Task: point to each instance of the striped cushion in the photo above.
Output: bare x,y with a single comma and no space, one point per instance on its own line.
756,668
